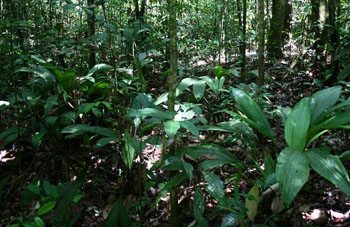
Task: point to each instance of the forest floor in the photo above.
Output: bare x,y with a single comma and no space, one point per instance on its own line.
319,203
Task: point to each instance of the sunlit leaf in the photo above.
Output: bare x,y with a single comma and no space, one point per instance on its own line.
192,128
297,125
150,112
198,205
199,89
47,207
321,101
99,68
330,167
171,127
128,153
253,112
229,220
252,204
215,186
292,172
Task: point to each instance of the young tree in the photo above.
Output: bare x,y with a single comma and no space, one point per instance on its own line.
172,83
242,20
261,44
91,31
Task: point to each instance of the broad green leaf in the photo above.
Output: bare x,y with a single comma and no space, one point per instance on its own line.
161,99
330,167
214,153
79,129
50,103
292,172
138,145
218,71
47,187
118,216
172,163
192,128
171,127
150,112
37,138
37,59
234,126
34,188
321,101
338,120
198,205
253,112
99,68
142,101
188,169
128,153
215,186
297,125
199,89
105,140
345,156
252,204
176,180
77,198
39,222
229,220
47,207
184,84
67,191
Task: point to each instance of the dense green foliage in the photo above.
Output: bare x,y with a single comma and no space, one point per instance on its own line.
170,107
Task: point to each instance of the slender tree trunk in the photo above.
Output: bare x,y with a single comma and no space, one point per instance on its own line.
91,32
244,32
0,9
261,45
172,83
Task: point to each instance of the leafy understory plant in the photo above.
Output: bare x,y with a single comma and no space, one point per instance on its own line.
308,120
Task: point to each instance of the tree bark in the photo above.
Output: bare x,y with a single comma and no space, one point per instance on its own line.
334,14
319,18
261,44
172,83
244,32
91,32
287,19
276,28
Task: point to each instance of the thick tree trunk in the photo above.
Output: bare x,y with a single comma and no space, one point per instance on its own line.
276,28
91,32
261,47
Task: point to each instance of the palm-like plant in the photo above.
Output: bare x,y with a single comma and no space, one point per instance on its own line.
307,121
